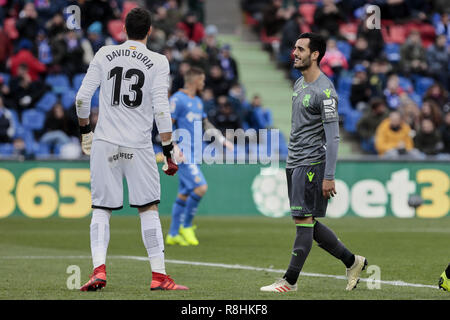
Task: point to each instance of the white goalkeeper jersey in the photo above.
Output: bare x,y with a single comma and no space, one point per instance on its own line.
134,83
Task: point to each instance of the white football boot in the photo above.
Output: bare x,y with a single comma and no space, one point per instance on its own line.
281,285
353,273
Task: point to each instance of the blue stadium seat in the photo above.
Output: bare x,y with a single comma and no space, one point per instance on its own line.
405,83
345,48
416,98
68,98
6,149
95,98
41,150
392,51
6,77
351,120
344,105
344,85
58,82
77,80
33,119
47,101
422,85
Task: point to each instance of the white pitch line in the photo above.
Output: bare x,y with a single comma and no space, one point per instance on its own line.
398,283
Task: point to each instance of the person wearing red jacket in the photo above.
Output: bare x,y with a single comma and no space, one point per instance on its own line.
193,29
24,56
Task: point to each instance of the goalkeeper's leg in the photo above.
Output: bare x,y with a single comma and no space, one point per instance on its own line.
153,240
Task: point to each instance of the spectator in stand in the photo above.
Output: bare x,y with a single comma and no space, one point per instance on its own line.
334,61
378,76
44,50
24,56
56,128
102,11
95,36
413,55
178,79
259,117
428,139
445,133
438,58
327,18
360,53
410,112
275,16
396,10
209,104
289,35
27,25
193,29
255,8
228,65
161,22
393,138
360,91
73,57
443,26
217,82
211,45
430,110
174,14
236,96
56,26
393,92
226,118
374,37
369,123
6,49
437,93
7,128
196,57
24,92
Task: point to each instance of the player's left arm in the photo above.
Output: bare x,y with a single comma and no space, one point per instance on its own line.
161,110
91,82
211,130
330,120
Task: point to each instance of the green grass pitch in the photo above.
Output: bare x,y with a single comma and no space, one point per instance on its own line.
415,251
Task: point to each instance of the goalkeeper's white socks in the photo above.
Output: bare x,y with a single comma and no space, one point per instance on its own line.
153,240
99,235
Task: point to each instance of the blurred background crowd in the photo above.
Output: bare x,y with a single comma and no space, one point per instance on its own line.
43,62
392,82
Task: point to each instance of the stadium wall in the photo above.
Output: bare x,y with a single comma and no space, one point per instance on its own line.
369,189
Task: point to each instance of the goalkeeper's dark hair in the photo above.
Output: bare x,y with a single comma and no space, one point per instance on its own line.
316,43
137,23
193,72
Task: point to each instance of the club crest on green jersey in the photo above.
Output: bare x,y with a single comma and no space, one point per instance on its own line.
306,100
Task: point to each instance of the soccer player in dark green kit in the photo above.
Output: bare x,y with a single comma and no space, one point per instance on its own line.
311,165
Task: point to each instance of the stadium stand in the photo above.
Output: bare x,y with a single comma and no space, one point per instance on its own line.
47,62
394,49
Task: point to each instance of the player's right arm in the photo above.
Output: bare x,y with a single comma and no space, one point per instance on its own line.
91,82
162,115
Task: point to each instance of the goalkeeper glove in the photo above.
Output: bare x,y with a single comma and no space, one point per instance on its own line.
170,166
86,138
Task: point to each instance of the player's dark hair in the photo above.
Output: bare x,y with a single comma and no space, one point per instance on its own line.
193,72
137,23
316,43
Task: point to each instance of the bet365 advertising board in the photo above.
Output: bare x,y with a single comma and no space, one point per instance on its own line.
366,189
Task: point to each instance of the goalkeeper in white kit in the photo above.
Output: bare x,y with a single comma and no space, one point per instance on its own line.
134,83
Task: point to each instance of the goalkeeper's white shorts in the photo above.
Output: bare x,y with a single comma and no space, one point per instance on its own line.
110,163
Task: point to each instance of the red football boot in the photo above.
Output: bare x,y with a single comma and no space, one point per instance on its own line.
164,282
97,279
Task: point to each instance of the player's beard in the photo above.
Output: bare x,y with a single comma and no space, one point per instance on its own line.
306,64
